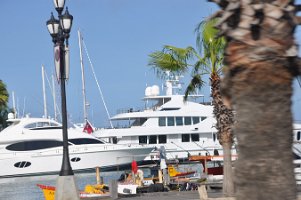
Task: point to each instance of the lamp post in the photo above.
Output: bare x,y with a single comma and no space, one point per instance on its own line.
60,32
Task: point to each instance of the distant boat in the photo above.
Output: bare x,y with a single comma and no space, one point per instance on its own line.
33,146
173,172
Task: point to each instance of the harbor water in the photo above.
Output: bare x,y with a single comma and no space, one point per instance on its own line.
25,188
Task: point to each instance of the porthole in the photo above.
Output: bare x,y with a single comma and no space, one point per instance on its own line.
75,159
22,164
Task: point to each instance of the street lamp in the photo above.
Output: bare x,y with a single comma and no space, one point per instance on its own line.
60,32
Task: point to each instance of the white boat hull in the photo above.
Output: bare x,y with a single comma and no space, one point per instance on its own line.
50,161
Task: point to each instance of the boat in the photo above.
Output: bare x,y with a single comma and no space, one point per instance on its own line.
173,172
34,146
49,192
183,128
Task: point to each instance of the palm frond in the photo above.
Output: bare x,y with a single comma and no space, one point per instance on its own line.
195,83
173,59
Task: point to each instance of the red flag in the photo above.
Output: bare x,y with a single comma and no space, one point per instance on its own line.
134,167
88,128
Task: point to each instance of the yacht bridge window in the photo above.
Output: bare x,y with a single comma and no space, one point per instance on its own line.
152,139
34,145
179,121
185,137
187,120
143,139
195,137
195,120
162,121
162,139
139,122
170,121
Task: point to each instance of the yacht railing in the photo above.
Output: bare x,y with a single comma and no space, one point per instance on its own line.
130,110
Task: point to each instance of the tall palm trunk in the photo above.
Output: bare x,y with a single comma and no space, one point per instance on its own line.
262,101
225,119
260,57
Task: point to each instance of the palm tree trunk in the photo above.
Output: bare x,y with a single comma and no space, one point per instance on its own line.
260,56
224,122
228,186
260,92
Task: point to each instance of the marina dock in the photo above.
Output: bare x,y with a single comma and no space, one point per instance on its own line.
173,195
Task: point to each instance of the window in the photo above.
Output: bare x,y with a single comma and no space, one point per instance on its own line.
170,121
203,118
34,145
196,120
167,109
142,139
152,139
139,122
179,121
185,138
214,137
114,140
187,120
162,121
40,125
298,135
80,141
162,139
195,137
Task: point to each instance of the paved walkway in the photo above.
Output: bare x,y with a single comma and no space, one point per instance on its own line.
173,195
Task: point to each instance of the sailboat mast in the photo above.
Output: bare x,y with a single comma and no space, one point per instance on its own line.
83,76
54,98
44,92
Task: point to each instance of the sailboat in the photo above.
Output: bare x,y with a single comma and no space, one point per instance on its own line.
87,126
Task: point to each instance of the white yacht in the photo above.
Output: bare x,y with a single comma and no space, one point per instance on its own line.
181,127
33,146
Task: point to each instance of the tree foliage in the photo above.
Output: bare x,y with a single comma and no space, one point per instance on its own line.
3,105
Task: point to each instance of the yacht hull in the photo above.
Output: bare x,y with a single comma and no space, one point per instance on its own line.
49,162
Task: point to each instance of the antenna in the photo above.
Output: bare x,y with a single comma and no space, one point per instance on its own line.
24,104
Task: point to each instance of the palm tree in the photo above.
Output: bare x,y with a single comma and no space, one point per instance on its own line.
3,105
178,60
212,49
3,94
261,58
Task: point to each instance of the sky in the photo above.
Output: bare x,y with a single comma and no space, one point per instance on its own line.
119,36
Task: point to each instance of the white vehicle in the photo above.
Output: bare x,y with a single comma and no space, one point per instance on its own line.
33,146
181,127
